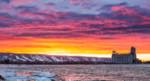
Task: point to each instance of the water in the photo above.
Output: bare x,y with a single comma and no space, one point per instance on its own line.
89,72
22,75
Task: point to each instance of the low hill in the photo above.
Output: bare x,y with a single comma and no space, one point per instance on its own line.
11,58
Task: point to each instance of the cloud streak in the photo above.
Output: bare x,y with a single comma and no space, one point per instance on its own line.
115,20
98,20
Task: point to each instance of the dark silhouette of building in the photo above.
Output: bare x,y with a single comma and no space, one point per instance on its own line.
128,58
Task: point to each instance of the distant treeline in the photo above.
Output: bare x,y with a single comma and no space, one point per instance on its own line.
146,62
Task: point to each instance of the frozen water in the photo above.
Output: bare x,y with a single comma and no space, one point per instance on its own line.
26,76
88,72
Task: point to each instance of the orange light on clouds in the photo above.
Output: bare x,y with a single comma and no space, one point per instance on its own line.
72,46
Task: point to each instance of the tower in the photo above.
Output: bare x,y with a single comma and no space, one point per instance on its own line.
133,52
114,52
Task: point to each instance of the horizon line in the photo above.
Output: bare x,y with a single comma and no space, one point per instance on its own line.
141,56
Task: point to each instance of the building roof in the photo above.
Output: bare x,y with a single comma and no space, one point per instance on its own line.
121,55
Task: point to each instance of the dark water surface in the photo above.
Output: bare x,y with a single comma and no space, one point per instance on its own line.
89,72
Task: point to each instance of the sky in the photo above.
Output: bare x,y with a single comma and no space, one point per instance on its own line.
75,27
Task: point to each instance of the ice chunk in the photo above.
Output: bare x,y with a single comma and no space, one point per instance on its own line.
26,76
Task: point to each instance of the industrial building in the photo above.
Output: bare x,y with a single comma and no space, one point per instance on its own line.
129,58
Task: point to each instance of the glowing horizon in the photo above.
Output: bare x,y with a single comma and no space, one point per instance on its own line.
74,27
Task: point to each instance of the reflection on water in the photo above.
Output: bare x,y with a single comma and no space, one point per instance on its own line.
79,72
89,78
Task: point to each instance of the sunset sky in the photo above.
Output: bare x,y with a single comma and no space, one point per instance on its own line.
75,27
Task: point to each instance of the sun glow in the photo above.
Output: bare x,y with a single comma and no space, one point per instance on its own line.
58,52
71,47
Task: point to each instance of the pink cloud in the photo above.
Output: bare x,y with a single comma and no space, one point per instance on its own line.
22,2
124,10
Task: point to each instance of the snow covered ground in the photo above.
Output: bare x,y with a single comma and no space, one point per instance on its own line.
88,72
